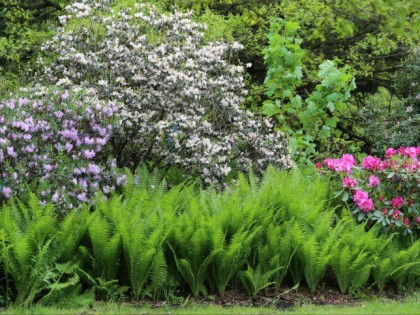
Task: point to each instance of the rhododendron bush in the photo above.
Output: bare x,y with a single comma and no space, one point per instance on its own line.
181,96
56,142
384,191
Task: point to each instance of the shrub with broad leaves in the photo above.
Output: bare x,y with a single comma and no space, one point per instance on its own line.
181,96
383,191
56,142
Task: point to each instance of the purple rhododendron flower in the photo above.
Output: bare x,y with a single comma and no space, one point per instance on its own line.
94,169
68,147
39,140
48,168
89,141
54,197
82,197
89,154
6,192
65,95
59,114
11,152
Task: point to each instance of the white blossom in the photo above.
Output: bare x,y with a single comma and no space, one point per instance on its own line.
181,97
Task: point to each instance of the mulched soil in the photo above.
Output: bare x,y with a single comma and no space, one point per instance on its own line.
285,298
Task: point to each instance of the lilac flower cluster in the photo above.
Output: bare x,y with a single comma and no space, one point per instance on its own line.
58,143
181,96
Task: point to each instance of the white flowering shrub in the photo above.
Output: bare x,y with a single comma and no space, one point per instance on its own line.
181,96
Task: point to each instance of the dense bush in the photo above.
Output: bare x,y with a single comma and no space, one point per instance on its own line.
256,235
143,86
382,191
396,125
56,142
181,97
310,121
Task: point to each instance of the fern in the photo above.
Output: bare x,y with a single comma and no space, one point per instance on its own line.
351,262
64,287
316,250
232,256
106,247
139,238
315,261
256,280
191,243
406,263
31,249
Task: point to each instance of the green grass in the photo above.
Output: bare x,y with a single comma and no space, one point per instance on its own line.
110,308
410,305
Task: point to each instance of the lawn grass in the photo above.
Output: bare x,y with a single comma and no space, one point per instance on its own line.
410,305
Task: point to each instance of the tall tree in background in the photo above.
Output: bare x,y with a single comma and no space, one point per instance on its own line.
371,37
24,25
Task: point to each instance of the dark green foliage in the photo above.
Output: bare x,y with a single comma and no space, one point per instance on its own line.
397,123
24,26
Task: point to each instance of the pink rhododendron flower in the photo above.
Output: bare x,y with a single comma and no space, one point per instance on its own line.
397,202
373,181
347,162
401,150
384,165
349,182
362,200
412,165
406,221
418,220
396,215
385,211
410,152
390,152
330,163
371,163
